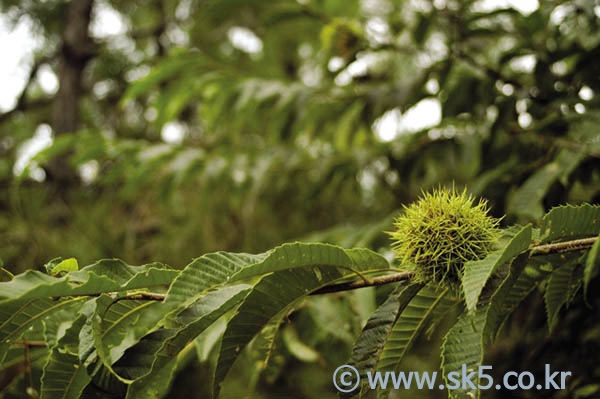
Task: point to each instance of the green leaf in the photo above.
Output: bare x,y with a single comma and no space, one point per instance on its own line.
271,296
106,275
297,348
205,272
334,317
261,348
222,267
58,266
478,272
561,284
51,264
570,222
101,377
592,265
67,265
463,346
29,296
527,200
116,325
207,341
16,356
56,326
173,99
60,146
521,280
152,362
16,316
5,275
63,376
289,256
169,67
413,319
309,267
369,345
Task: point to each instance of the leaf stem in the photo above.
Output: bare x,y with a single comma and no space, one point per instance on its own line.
359,274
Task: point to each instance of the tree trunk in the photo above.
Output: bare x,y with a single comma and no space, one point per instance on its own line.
77,49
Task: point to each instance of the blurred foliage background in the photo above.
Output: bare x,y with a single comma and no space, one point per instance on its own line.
237,125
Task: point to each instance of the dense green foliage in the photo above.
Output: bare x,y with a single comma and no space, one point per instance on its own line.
279,110
109,337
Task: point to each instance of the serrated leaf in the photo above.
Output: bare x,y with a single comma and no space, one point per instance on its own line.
570,222
17,315
561,283
369,345
152,362
115,353
462,345
103,276
522,278
56,326
410,323
262,346
271,296
101,377
478,272
506,297
29,296
63,376
222,267
205,272
280,289
116,325
592,264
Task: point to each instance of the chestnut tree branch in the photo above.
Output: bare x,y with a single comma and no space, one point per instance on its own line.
547,249
539,250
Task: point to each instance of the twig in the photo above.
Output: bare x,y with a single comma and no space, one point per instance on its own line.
22,104
32,74
560,247
547,249
28,363
491,72
374,281
29,343
153,296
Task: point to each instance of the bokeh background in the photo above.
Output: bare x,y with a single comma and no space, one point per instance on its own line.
159,130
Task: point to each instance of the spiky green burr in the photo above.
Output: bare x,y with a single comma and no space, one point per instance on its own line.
441,231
